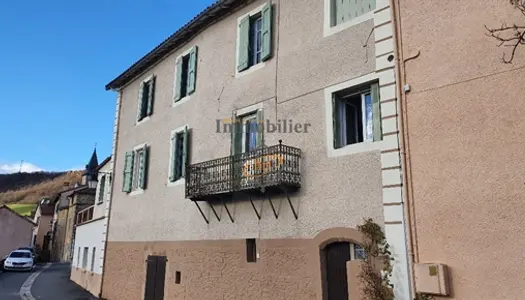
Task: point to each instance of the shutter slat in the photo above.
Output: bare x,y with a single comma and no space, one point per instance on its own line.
266,32
185,151
151,96
178,80
192,70
128,172
376,112
243,46
143,168
140,108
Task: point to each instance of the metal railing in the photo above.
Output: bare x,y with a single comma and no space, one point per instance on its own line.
277,165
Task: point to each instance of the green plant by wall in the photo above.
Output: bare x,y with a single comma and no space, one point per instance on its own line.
376,285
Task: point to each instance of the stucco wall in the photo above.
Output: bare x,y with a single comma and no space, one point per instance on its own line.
14,232
43,228
89,235
466,136
292,89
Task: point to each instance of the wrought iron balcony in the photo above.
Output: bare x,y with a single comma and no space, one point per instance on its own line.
276,166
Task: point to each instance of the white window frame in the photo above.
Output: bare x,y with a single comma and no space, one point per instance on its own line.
257,66
329,30
85,256
352,148
180,181
175,87
136,190
362,94
243,118
139,99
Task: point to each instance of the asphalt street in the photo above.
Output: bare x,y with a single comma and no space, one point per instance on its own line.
52,284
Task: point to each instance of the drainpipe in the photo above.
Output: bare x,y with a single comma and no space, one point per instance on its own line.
404,143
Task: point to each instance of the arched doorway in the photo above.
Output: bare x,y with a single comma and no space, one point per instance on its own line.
333,265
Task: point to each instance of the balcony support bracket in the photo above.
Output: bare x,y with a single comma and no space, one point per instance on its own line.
255,209
290,202
227,210
273,207
202,213
215,212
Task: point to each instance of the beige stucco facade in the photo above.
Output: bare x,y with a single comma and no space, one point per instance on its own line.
15,231
340,187
465,129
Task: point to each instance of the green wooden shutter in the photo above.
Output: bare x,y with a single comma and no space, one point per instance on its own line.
244,44
101,189
266,49
260,129
128,172
178,80
151,96
141,102
143,164
185,151
376,111
192,70
336,123
173,156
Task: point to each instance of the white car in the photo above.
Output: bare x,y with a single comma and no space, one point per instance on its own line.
19,260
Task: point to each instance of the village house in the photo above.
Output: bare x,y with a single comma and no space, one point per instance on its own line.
90,235
15,231
67,205
44,220
202,214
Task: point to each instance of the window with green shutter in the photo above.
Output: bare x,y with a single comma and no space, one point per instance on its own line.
356,115
129,162
185,75
346,10
179,154
146,98
101,190
255,38
135,170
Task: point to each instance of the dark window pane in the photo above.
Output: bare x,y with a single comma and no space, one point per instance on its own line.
184,76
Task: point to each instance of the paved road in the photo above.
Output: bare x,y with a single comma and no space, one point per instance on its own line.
52,284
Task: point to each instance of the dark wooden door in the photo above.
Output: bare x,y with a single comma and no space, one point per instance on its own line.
155,278
336,256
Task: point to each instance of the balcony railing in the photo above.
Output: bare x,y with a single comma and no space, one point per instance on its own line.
85,215
274,166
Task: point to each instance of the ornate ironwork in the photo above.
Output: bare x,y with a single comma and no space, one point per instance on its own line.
274,166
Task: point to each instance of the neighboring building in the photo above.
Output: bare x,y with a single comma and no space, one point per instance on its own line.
15,231
67,204
90,235
464,139
204,210
44,220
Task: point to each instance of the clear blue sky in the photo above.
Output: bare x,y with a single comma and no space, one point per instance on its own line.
55,59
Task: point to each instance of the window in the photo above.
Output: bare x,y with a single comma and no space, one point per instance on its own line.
251,250
146,98
93,259
78,258
179,154
185,74
247,135
135,169
254,38
356,116
346,10
102,185
85,258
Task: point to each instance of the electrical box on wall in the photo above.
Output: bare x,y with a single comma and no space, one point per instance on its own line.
432,279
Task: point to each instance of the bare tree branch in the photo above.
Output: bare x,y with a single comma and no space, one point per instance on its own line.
510,36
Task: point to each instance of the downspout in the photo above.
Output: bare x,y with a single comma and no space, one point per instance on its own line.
404,145
112,190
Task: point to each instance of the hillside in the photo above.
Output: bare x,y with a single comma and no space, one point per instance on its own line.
28,189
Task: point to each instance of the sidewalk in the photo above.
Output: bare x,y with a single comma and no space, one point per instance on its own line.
54,284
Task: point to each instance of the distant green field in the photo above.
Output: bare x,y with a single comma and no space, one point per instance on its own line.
23,209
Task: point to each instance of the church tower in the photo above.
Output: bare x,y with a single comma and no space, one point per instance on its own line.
90,176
